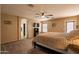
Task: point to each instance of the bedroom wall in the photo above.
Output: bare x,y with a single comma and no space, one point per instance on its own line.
30,29
9,31
60,23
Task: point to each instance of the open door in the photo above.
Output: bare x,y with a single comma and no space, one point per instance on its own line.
23,29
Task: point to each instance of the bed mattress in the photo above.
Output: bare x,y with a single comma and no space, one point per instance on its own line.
53,40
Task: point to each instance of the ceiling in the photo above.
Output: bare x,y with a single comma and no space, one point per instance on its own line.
58,10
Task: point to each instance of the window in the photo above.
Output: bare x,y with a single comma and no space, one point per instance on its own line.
70,26
45,28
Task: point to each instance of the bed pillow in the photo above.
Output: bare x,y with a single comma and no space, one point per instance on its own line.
73,34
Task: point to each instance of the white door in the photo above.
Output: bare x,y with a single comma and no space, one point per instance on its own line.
23,28
45,28
70,26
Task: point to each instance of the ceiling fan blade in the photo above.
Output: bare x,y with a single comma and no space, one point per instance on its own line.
37,14
37,17
49,15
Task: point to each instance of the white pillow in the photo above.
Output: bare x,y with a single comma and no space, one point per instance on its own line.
73,34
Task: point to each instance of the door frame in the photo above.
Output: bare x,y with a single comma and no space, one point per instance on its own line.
20,38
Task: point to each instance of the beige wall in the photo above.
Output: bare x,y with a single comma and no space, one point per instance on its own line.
9,31
60,24
30,28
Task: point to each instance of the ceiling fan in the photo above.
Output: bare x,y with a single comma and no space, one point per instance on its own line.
43,15
40,15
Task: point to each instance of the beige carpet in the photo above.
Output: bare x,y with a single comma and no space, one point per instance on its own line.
21,47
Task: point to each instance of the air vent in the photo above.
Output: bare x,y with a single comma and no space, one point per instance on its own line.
30,5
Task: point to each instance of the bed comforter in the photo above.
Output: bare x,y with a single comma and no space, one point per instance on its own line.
52,40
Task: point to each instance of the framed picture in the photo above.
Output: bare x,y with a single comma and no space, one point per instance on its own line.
7,22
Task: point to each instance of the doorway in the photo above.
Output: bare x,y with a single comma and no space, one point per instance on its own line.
45,27
70,26
23,28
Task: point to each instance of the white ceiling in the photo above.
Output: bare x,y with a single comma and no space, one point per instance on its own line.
58,10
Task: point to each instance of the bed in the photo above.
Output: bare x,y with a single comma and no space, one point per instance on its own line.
56,41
